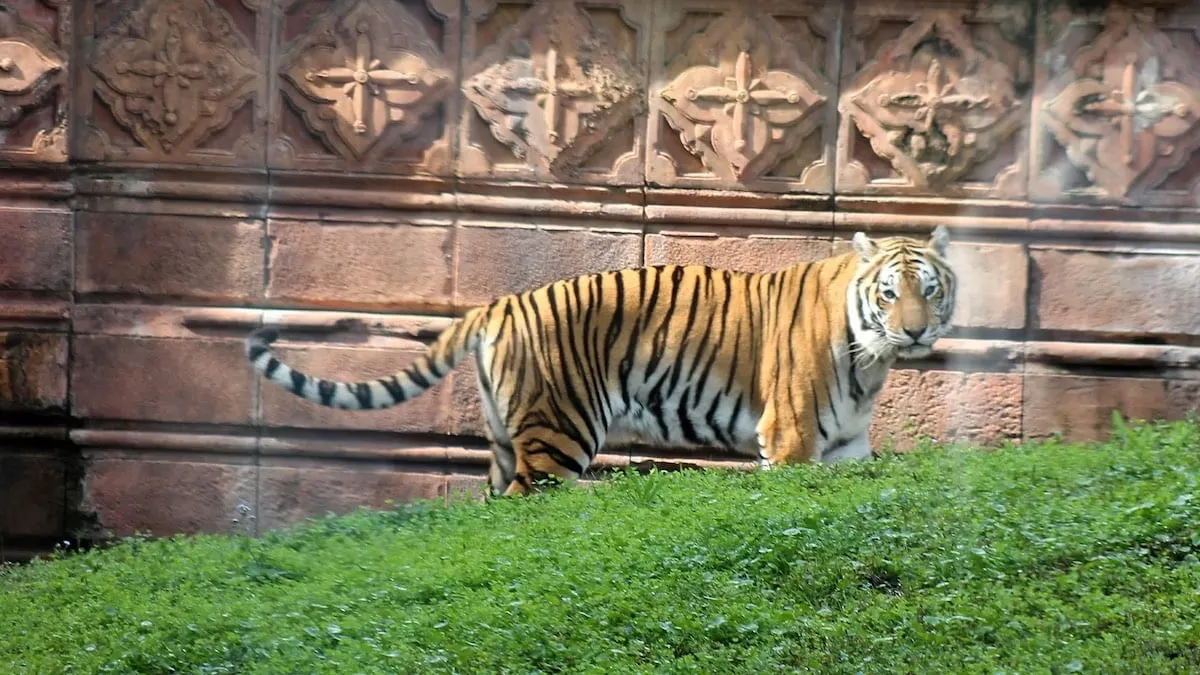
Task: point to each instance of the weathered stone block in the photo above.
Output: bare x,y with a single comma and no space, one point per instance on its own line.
162,498
162,380
466,486
401,267
1080,408
464,415
1142,294
290,494
947,406
33,372
36,251
32,495
992,284
756,253
197,258
499,260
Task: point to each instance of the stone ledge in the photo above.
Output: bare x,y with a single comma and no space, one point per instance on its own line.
42,185
887,222
35,311
1094,232
453,453
386,329
1070,353
701,214
41,434
173,321
337,196
1112,354
149,189
166,441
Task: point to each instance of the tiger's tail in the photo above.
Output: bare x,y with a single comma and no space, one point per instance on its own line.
454,343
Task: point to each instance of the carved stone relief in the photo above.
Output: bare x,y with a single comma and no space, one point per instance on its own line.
173,72
1126,108
33,71
365,75
742,99
24,72
552,89
740,117
935,103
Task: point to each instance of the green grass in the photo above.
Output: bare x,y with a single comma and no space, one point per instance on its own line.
1045,558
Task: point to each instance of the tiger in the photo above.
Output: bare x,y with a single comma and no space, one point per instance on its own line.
783,367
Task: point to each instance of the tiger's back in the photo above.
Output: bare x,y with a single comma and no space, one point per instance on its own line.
763,364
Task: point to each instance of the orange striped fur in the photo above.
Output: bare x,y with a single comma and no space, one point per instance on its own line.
783,365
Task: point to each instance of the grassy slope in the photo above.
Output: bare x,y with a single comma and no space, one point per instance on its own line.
1045,558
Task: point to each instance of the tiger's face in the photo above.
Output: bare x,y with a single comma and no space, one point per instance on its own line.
904,290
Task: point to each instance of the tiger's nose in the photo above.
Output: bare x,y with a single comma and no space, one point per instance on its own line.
915,335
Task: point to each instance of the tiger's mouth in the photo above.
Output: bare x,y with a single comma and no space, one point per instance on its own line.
915,351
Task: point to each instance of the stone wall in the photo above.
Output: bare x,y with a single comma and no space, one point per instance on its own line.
179,171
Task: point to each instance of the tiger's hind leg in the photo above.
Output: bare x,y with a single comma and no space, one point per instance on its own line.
545,456
501,470
503,463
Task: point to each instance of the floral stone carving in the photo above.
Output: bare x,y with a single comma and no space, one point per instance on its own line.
174,71
369,71
24,72
32,73
1129,115
741,116
555,88
933,104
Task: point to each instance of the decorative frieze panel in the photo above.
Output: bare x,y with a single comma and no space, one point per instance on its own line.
939,108
743,98
1118,113
174,81
366,84
34,43
555,91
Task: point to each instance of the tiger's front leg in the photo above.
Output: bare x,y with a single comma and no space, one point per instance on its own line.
785,436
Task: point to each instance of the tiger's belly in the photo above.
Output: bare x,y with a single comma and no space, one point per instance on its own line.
679,421
729,427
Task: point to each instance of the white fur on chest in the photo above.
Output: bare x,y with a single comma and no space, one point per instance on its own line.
847,421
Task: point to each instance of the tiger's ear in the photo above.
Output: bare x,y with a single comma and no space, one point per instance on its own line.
863,245
939,240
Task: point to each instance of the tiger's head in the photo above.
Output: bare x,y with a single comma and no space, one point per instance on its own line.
902,295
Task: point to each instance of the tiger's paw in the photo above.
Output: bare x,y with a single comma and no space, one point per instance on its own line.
764,462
